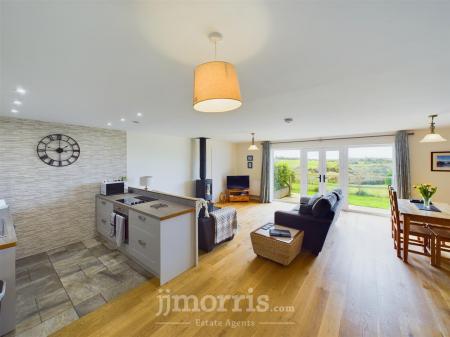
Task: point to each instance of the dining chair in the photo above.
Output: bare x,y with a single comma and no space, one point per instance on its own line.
419,234
441,242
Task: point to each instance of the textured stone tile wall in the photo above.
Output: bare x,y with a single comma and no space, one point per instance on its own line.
55,206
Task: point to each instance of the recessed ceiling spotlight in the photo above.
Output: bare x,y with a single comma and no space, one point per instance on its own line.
139,114
288,120
109,123
122,119
16,102
21,91
14,111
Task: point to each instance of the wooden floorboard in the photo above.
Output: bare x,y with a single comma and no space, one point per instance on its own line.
355,287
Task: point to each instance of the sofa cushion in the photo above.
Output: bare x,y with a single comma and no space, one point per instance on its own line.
304,209
307,208
338,193
324,205
313,199
304,200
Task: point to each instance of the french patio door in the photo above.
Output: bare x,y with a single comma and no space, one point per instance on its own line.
320,170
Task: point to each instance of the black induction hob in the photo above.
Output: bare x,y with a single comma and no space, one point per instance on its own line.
130,201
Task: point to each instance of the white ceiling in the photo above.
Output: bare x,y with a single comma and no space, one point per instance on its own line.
336,67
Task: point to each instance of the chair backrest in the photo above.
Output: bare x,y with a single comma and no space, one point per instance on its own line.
395,211
390,200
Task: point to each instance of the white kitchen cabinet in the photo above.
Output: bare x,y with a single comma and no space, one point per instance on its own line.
163,239
104,209
166,247
144,239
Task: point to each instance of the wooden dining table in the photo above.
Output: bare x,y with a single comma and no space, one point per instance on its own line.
411,213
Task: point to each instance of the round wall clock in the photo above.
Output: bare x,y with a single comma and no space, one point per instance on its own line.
58,150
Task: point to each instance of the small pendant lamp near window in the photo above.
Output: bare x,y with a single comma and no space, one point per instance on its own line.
216,85
253,147
433,137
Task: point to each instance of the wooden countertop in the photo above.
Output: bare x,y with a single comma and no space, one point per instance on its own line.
168,210
10,239
162,209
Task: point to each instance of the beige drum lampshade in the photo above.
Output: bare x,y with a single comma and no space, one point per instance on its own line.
216,87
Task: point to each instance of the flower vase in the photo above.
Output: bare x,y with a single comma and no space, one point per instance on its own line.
426,202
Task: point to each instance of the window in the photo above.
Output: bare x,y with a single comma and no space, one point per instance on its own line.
286,167
369,174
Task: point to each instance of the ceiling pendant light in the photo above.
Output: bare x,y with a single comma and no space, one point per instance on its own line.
253,147
216,85
433,137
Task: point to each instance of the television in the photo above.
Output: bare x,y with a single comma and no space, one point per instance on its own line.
238,182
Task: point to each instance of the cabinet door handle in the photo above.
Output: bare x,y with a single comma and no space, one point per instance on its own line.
141,218
104,202
104,221
142,243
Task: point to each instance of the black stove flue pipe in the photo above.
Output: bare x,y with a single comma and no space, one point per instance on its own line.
202,141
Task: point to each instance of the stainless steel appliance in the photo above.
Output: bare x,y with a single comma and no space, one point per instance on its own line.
2,292
112,187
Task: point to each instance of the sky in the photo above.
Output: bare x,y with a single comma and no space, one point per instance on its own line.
353,152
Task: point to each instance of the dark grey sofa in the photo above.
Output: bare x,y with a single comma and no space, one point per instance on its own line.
314,216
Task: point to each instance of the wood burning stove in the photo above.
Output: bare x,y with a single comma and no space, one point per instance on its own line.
203,189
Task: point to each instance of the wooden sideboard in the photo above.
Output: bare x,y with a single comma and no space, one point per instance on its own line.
238,194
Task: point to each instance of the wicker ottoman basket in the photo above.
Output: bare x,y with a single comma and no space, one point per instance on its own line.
281,250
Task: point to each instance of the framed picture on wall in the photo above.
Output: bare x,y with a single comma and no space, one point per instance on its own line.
440,161
250,157
249,164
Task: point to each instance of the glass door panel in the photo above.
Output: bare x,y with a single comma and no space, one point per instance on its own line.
331,174
286,178
369,174
312,172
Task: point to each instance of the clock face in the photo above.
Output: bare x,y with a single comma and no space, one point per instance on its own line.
58,150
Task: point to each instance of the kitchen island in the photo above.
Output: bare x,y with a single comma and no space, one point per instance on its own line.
161,229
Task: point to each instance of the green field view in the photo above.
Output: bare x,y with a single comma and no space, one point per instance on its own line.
368,179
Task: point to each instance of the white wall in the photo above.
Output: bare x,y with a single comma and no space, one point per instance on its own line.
222,165
174,162
241,166
220,162
420,155
168,159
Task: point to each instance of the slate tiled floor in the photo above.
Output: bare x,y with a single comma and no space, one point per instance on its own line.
63,284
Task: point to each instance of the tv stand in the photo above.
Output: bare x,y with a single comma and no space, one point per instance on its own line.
238,194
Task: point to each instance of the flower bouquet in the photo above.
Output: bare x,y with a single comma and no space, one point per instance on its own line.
426,191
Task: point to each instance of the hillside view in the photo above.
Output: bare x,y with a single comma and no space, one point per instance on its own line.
368,179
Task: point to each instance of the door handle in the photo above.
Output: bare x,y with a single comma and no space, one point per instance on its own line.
103,220
140,217
320,178
324,178
103,202
142,243
2,290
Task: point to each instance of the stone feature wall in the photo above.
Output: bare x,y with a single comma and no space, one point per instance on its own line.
55,206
